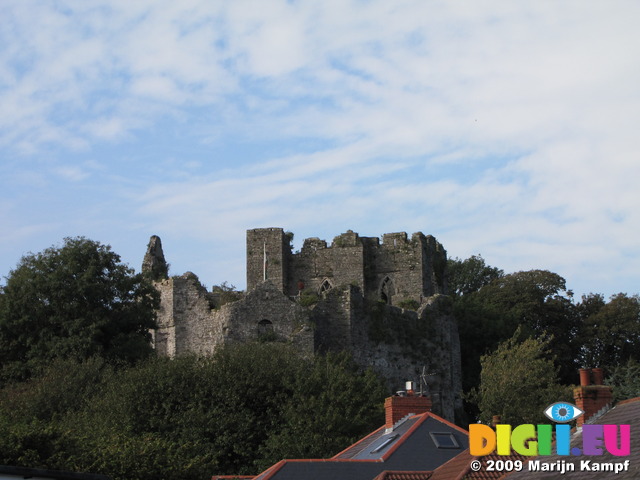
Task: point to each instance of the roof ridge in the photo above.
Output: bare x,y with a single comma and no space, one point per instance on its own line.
628,400
596,416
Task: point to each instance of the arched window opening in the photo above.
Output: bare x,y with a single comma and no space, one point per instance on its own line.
387,290
265,327
325,286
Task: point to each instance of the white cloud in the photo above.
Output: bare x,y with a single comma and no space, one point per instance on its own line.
503,128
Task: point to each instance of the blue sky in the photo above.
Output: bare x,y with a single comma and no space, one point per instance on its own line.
507,129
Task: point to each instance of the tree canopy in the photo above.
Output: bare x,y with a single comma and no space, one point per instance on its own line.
611,330
518,381
469,275
535,301
73,301
625,380
490,306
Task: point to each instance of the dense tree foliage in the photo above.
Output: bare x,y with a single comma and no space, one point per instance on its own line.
490,306
470,275
536,301
611,333
625,380
75,301
237,412
518,381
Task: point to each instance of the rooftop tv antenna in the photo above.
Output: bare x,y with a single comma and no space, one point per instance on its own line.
424,386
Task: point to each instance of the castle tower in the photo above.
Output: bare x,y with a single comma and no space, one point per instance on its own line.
268,251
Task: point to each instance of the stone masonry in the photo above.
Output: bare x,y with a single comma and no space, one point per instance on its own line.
396,269
384,302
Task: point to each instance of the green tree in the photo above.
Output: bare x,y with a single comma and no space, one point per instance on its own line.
590,305
535,300
625,380
75,301
611,333
470,275
325,412
518,381
32,412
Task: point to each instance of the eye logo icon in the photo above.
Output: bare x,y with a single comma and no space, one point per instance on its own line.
562,412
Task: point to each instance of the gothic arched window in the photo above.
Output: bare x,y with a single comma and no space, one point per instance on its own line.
325,286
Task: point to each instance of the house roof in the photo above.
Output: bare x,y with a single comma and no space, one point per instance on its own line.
41,473
626,412
411,451
459,467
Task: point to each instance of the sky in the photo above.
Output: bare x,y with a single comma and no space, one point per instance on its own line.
505,129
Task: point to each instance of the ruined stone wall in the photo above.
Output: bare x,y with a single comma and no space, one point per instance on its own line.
154,265
164,337
266,314
436,258
189,322
397,343
185,323
334,321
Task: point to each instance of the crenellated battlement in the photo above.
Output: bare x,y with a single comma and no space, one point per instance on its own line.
395,270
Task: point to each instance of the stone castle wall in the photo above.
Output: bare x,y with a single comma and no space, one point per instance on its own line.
355,286
397,269
189,321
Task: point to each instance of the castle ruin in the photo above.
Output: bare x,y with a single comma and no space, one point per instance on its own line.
384,302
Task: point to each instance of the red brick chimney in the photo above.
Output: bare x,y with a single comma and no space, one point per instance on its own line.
591,397
404,403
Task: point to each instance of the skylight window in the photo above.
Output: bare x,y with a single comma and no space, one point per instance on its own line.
444,440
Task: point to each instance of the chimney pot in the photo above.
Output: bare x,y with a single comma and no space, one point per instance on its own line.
591,398
598,376
410,387
585,377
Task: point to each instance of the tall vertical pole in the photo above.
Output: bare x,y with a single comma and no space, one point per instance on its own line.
264,265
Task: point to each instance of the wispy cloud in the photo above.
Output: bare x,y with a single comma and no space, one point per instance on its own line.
505,129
